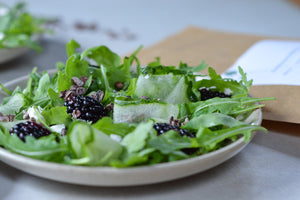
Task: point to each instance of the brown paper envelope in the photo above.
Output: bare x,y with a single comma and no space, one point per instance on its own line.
220,50
297,2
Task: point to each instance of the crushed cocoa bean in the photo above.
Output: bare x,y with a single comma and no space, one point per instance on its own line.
77,81
97,95
174,122
119,85
32,119
75,89
186,120
84,78
144,97
79,91
76,114
109,107
11,118
62,94
67,94
6,118
25,115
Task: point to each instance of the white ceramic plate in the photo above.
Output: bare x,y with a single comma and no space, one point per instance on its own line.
11,53
7,54
108,176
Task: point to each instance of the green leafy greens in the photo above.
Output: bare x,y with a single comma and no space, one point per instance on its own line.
18,27
141,97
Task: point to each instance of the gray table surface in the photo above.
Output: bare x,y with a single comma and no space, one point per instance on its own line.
268,168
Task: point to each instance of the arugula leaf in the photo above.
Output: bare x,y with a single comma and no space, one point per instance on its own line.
155,63
228,106
102,56
56,115
45,148
171,142
107,126
43,86
71,47
247,83
208,139
200,67
90,146
18,28
212,120
213,74
110,63
14,104
75,67
63,81
136,140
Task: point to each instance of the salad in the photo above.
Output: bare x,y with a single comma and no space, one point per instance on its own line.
101,110
18,28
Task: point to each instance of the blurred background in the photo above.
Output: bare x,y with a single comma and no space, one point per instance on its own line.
124,25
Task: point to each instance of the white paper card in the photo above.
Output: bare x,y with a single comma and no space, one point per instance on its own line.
269,62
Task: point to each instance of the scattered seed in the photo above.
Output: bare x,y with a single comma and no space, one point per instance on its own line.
77,81
25,115
119,85
144,97
76,114
186,120
109,107
97,95
174,122
6,118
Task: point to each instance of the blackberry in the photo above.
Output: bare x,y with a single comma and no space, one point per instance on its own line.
164,127
29,128
161,128
85,108
208,94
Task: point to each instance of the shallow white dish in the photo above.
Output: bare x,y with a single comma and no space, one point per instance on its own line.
108,176
8,54
11,53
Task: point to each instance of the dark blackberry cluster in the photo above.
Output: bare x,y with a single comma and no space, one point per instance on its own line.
85,108
29,128
161,128
164,127
208,94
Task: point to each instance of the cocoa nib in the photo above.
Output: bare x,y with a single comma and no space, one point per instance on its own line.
186,120
62,94
76,114
119,85
109,107
77,81
76,89
144,97
84,78
79,91
6,118
176,122
97,95
25,115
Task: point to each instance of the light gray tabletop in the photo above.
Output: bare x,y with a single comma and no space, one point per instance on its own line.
268,168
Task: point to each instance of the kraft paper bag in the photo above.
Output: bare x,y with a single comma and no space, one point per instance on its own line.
220,50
